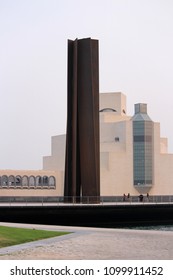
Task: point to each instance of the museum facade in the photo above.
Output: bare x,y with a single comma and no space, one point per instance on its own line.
133,157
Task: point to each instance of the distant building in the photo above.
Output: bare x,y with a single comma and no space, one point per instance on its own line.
133,157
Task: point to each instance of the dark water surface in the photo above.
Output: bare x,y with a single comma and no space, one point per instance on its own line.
157,227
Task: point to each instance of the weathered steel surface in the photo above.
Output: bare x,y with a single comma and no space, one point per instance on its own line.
82,166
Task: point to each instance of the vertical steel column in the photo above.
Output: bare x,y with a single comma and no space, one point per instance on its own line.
82,166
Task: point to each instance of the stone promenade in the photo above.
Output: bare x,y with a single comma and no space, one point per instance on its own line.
93,244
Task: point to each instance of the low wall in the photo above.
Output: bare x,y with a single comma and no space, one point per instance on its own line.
90,215
87,199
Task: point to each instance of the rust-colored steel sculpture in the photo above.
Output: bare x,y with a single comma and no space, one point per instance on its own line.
82,164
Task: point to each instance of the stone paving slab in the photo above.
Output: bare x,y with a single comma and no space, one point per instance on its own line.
93,244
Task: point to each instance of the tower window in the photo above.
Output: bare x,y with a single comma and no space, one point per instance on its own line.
108,110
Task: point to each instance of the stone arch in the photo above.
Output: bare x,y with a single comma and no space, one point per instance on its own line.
32,182
18,181
4,181
39,181
52,182
25,181
11,181
45,181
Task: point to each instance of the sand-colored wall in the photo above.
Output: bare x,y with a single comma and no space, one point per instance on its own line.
56,161
163,166
32,191
117,178
116,101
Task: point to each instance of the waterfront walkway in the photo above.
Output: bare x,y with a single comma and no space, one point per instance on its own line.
59,204
93,244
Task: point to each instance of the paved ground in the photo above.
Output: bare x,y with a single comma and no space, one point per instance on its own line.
94,244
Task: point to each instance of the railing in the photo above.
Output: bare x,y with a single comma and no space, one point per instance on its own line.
73,200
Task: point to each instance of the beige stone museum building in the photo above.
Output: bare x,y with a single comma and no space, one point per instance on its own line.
133,157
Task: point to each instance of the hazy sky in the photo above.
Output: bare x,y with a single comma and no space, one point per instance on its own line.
136,57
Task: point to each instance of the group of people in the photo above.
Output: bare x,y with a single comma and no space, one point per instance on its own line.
126,197
141,197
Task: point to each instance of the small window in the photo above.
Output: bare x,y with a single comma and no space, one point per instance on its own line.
45,181
11,181
25,182
39,181
108,110
18,181
4,181
31,181
52,182
117,139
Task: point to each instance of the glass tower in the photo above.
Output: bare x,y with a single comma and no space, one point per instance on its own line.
142,147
